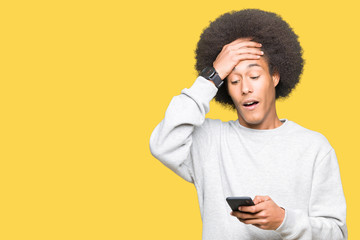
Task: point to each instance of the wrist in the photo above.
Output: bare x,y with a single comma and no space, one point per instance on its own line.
219,72
211,74
282,216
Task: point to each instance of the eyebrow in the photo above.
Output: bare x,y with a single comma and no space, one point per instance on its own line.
253,65
250,65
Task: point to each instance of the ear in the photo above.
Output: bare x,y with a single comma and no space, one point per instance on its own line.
276,78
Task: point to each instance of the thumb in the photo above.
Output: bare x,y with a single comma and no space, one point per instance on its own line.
259,199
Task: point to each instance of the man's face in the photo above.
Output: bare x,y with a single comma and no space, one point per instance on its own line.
251,81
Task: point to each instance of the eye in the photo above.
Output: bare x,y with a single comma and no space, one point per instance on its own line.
255,77
235,81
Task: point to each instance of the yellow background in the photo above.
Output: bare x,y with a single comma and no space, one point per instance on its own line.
84,83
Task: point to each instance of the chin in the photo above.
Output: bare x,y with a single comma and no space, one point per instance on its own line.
253,120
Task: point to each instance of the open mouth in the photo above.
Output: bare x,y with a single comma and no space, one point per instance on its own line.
250,103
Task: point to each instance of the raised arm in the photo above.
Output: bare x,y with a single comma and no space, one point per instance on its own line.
171,140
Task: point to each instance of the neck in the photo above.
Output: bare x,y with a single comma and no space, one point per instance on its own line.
263,125
270,121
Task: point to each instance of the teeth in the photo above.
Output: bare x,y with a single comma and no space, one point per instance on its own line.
247,104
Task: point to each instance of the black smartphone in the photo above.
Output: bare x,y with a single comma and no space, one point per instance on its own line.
236,202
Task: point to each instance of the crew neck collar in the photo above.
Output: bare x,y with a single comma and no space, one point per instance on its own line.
284,121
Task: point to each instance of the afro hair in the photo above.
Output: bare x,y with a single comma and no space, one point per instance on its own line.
279,43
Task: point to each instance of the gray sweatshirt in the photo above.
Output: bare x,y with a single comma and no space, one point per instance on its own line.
295,166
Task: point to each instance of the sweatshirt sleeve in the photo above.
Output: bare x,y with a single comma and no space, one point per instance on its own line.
327,207
171,140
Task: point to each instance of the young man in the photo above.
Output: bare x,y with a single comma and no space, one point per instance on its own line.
247,60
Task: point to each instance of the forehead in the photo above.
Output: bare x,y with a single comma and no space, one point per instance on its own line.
246,65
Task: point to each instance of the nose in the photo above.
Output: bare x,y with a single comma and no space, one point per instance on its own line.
246,87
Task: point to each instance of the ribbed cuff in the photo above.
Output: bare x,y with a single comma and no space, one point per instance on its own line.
293,224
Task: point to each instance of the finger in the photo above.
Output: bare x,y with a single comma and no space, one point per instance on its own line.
259,199
244,215
242,57
252,209
267,198
259,209
257,225
256,200
247,44
254,221
239,40
256,51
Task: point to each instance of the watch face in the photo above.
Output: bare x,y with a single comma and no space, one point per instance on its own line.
210,74
208,71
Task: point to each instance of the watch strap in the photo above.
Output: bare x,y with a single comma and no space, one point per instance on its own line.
210,74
